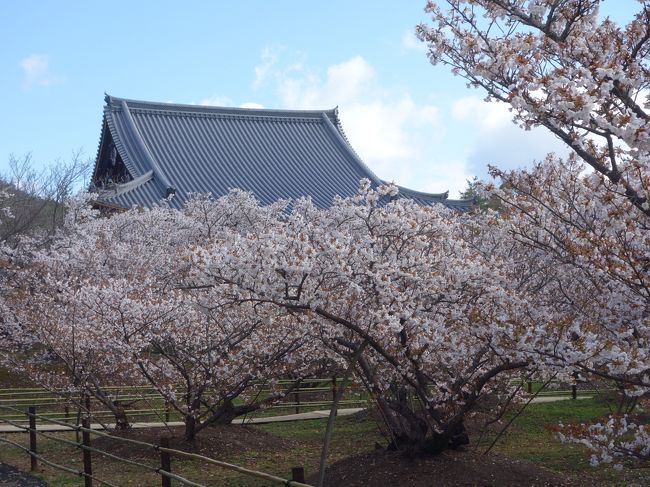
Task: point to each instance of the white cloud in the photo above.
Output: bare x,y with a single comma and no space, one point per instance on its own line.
446,175
345,83
392,132
411,43
251,104
489,116
217,101
495,139
36,71
262,70
224,101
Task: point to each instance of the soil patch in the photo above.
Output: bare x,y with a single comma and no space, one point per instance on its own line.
215,442
451,468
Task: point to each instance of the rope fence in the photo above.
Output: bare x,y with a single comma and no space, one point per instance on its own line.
87,450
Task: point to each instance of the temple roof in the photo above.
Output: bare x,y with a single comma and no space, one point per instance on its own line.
151,150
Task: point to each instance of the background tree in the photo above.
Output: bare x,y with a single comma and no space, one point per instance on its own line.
36,199
32,206
475,190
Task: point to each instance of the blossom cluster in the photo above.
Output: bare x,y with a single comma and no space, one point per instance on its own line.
611,441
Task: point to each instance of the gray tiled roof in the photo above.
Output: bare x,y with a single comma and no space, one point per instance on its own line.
272,153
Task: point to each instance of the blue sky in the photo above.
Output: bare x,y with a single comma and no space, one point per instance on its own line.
411,122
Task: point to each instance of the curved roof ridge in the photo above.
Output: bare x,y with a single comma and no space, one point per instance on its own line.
190,108
197,148
339,126
142,145
442,196
429,198
343,142
120,144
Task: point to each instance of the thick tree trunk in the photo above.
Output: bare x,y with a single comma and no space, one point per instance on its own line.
222,415
118,408
414,435
190,427
414,431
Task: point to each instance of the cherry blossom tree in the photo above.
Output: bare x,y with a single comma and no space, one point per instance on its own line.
31,209
611,441
107,304
585,219
425,309
594,244
204,304
558,66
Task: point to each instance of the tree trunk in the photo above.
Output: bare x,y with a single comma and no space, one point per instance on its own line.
121,420
414,432
190,427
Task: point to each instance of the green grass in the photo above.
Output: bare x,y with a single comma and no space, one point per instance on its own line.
351,436
531,439
537,416
528,439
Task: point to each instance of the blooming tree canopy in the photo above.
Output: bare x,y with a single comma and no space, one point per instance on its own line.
586,219
207,302
412,295
107,304
558,66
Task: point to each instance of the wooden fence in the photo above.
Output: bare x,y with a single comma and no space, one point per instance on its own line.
89,453
561,389
149,405
59,410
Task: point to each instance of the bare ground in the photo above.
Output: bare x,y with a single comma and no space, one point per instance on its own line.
452,468
213,442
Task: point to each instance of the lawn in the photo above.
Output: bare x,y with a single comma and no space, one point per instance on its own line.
276,448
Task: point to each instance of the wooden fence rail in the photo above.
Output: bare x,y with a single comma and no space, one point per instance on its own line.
558,388
147,403
166,454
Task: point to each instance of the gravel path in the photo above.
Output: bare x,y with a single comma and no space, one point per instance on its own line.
12,477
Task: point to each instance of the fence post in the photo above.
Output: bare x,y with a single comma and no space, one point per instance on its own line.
574,391
334,391
166,411
32,438
88,467
529,386
298,474
296,396
165,462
